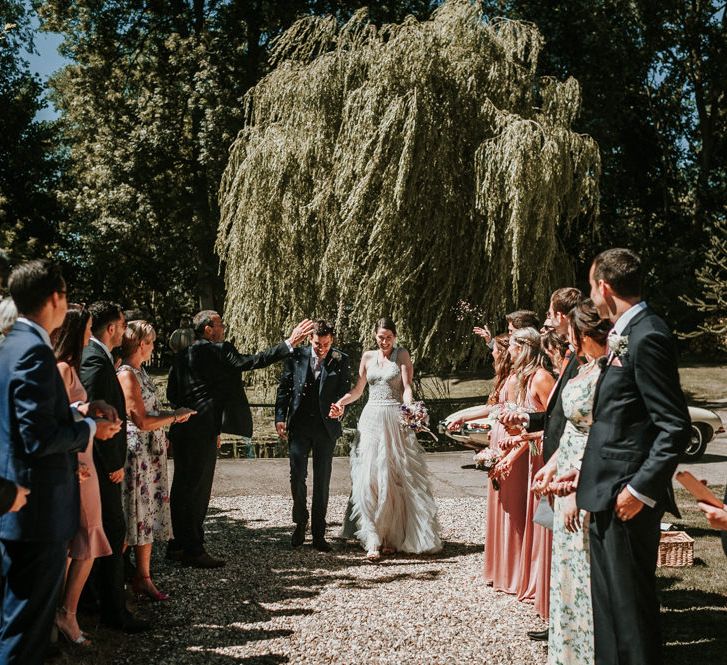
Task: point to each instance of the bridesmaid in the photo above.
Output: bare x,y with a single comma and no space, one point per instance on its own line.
90,541
145,489
570,640
529,388
498,521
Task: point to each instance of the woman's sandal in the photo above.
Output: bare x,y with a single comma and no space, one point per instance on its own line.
81,640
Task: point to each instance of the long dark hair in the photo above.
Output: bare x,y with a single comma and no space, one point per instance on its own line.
68,339
585,321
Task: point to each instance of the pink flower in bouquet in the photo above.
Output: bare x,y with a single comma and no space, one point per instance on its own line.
414,417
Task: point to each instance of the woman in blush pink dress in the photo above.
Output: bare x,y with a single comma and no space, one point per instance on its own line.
90,541
527,387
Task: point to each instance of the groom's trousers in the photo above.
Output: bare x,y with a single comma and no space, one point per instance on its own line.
301,444
627,627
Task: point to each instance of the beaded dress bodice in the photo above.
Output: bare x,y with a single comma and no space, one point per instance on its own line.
385,384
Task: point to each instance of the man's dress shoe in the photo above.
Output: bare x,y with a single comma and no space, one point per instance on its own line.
322,545
298,537
203,560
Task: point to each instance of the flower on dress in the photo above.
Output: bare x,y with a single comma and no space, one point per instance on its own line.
618,344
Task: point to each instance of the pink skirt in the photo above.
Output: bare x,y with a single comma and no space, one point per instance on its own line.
90,540
506,526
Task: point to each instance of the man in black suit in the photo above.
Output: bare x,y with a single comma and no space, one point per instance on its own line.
40,435
206,377
313,378
98,376
640,427
552,421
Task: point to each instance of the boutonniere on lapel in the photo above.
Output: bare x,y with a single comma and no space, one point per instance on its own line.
618,345
336,355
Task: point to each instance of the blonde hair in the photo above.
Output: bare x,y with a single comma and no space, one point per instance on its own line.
136,332
529,360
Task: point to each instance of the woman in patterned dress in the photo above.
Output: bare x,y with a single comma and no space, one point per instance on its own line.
570,640
145,489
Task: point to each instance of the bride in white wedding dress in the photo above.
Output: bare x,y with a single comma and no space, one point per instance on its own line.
391,496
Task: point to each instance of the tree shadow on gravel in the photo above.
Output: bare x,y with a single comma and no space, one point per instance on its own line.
692,622
226,608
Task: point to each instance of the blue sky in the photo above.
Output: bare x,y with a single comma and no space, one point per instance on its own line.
46,61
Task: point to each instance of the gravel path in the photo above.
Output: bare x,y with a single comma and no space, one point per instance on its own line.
272,604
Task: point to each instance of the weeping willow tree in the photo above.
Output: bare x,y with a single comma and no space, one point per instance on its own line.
398,171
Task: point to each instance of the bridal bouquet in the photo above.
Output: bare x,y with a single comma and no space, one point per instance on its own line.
486,460
414,417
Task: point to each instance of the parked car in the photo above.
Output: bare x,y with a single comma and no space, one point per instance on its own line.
706,425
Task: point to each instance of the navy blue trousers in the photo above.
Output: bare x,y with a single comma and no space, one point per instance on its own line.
31,583
301,444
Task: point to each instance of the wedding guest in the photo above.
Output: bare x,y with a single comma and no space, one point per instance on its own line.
203,377
8,316
98,376
90,540
39,439
145,487
640,427
506,507
528,388
571,626
551,421
522,318
183,336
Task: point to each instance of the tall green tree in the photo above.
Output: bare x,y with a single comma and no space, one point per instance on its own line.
399,170
654,98
29,162
149,107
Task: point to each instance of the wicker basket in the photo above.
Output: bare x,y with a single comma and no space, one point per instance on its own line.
676,548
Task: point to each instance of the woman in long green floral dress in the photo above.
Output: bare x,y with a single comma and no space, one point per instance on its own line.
570,639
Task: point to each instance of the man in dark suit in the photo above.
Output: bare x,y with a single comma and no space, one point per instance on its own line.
98,376
640,427
552,421
206,377
313,378
40,435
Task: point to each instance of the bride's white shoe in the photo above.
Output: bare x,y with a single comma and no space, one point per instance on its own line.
373,555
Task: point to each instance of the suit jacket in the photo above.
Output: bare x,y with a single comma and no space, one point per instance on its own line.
335,381
640,420
39,439
552,421
98,377
207,377
8,492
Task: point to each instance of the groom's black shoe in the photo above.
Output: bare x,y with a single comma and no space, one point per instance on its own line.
298,537
322,545
538,635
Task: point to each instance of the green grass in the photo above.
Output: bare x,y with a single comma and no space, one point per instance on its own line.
694,605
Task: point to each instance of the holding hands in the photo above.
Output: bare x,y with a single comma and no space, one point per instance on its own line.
337,411
21,498
183,414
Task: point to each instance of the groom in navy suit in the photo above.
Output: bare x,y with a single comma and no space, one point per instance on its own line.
314,377
40,435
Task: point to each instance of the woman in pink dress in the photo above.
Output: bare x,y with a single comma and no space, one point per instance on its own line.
505,525
528,388
90,541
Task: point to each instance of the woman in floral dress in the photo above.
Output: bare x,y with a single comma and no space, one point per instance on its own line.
570,640
145,488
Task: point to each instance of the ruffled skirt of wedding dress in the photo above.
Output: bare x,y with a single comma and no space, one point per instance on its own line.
391,498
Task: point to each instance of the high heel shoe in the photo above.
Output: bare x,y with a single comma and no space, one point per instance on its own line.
141,590
81,640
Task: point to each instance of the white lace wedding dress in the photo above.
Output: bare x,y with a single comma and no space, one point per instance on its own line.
392,504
